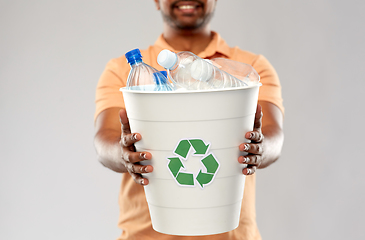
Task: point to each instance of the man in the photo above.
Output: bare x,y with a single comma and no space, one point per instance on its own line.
186,28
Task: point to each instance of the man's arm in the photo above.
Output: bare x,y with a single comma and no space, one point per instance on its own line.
114,144
266,138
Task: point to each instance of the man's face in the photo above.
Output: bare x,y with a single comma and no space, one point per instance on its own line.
186,14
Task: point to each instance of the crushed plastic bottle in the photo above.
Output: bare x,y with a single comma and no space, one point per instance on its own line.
143,77
194,73
241,71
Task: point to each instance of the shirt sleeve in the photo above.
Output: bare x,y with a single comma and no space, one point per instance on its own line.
270,90
111,80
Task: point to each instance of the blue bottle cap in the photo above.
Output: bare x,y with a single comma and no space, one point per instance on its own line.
134,56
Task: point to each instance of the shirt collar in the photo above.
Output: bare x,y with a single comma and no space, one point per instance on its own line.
217,45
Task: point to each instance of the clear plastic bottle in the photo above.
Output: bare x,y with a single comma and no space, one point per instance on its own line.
178,67
161,82
204,71
143,77
241,71
194,73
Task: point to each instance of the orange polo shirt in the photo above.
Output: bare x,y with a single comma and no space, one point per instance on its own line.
134,217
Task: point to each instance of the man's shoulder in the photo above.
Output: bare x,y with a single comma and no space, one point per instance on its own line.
238,54
258,61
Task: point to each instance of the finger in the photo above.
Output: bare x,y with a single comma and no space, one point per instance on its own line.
254,160
139,179
124,121
258,118
255,136
254,148
249,170
134,157
129,139
138,168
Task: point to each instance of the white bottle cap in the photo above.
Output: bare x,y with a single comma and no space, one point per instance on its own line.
201,70
167,59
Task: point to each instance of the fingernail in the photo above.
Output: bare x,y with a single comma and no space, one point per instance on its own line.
246,160
142,181
248,171
251,135
246,147
134,137
143,155
146,169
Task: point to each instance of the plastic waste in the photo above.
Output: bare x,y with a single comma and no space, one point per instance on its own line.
161,82
241,71
144,77
194,73
178,68
204,71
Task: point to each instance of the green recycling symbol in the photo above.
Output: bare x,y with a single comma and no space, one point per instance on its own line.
208,160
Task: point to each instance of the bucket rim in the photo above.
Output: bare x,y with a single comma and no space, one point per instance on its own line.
124,89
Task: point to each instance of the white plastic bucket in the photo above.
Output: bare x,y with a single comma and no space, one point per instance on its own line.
202,131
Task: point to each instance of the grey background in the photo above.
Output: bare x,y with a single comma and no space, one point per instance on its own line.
53,52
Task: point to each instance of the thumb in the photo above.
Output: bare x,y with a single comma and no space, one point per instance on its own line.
258,118
124,121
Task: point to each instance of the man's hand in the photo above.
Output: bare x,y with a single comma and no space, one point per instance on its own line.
114,145
266,139
255,148
129,157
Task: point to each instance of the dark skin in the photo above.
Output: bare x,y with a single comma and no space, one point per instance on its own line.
186,28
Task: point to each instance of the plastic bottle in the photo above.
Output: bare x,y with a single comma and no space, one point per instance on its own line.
204,71
194,73
161,82
178,67
144,77
241,71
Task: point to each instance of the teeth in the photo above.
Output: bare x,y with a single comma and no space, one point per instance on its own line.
186,7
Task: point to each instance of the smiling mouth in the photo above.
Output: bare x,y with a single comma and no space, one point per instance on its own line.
187,5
